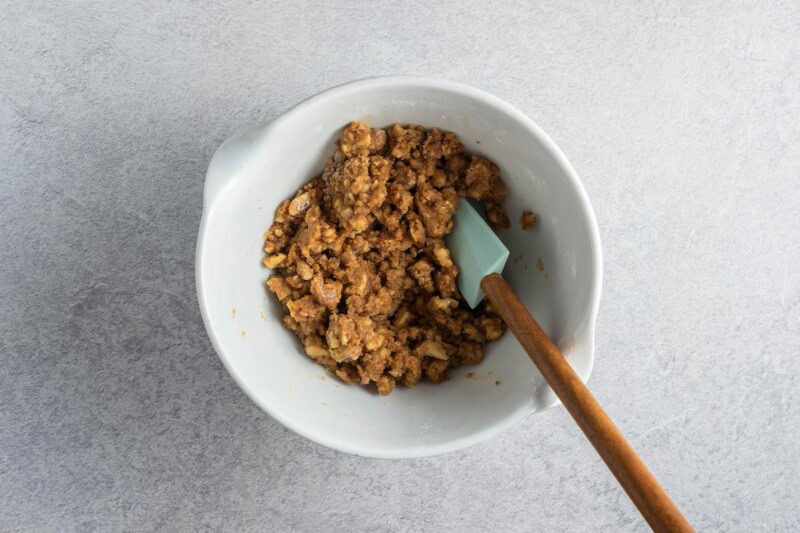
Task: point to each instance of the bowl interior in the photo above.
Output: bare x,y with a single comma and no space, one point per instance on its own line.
553,268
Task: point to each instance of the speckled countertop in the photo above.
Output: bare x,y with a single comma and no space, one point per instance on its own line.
681,117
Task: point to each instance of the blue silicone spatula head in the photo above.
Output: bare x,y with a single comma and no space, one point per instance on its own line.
476,250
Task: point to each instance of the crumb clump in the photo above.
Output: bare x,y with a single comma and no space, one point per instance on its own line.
528,220
360,262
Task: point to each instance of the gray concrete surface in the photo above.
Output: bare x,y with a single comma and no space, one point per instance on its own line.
682,118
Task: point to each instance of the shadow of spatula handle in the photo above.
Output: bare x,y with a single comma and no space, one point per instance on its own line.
645,491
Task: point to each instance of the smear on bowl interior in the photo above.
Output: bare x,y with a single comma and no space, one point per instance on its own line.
360,262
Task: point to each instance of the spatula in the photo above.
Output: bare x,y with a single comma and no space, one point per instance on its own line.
481,256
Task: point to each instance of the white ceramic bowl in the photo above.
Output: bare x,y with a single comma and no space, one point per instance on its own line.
260,166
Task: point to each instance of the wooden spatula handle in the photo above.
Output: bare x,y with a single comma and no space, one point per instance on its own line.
645,491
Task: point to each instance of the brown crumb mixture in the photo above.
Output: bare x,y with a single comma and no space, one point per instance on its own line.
527,220
361,264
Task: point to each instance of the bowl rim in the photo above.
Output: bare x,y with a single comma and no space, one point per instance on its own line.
339,442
